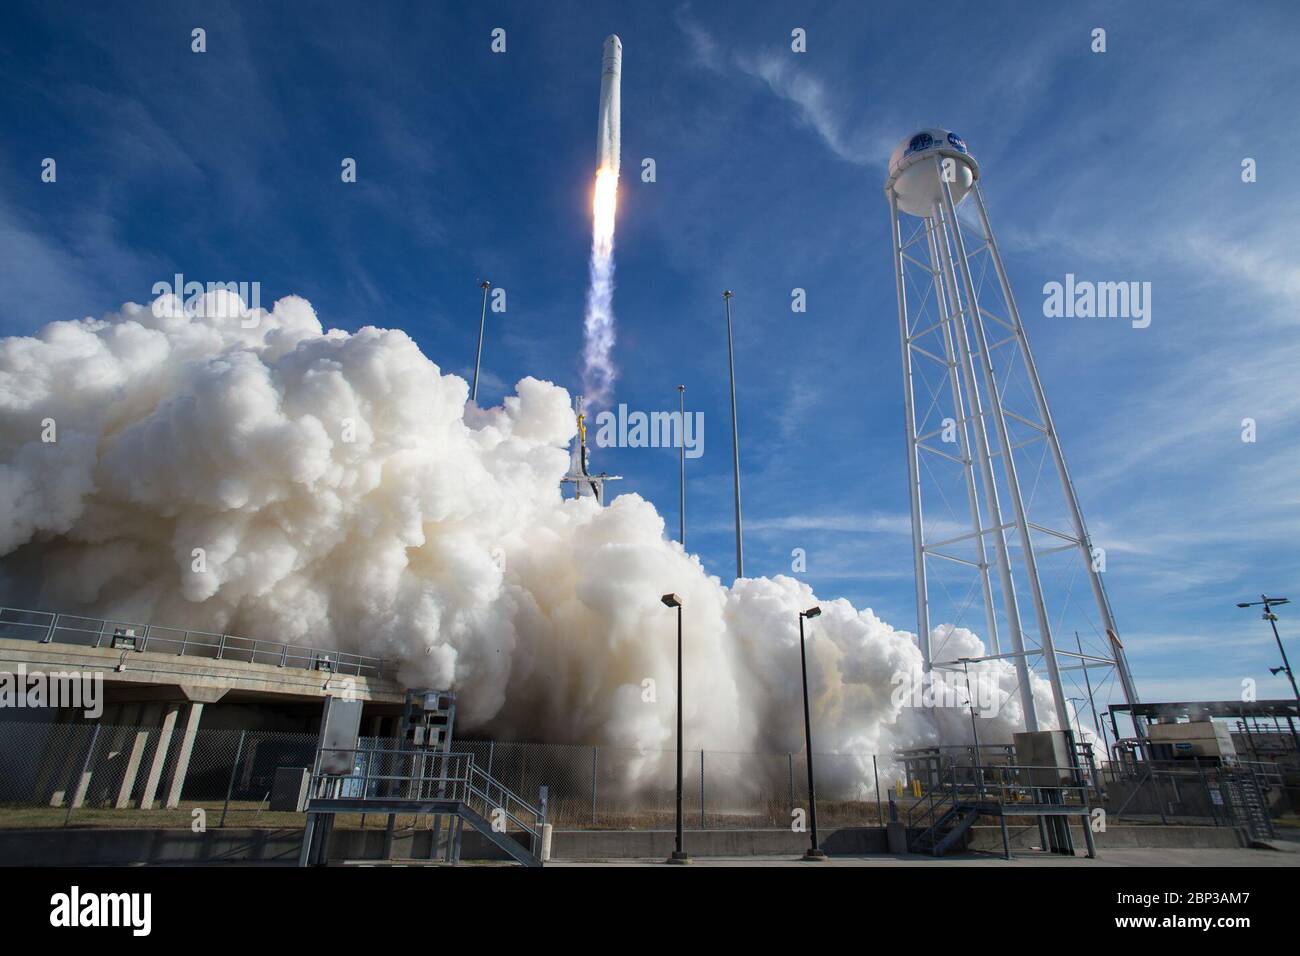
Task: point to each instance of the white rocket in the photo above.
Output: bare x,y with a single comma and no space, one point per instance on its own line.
608,132
584,483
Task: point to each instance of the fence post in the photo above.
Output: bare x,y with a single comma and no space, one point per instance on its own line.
54,626
79,788
701,789
790,756
593,786
875,772
234,767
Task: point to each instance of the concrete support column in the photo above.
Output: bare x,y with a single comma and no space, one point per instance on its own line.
193,711
149,797
147,720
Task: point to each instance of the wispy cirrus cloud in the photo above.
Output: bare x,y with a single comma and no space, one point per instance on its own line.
815,107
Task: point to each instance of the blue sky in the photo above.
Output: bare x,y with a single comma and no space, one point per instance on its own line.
1117,166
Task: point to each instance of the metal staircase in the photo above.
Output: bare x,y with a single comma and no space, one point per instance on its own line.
947,831
1247,802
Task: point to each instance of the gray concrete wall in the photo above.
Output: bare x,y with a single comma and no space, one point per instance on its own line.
989,838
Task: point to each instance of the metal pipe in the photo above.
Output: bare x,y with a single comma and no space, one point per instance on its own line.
230,787
946,313
76,793
681,506
1063,474
984,458
478,356
913,464
1092,702
1046,645
735,439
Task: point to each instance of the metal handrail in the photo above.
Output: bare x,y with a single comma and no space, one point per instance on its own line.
454,776
47,626
997,784
507,798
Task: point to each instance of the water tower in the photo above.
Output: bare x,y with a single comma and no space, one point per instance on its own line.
999,542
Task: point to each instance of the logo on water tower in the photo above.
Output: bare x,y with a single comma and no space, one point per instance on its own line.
919,142
957,142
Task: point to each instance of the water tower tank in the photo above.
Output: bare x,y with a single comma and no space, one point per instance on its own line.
912,174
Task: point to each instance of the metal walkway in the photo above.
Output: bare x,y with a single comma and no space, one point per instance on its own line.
946,809
419,783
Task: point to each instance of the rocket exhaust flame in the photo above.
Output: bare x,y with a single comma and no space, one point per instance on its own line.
598,325
603,206
598,372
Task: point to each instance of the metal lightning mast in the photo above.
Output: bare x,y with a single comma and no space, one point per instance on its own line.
976,415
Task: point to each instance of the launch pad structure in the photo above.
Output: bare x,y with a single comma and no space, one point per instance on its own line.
585,484
976,414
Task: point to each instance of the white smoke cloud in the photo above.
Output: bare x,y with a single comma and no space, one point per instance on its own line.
435,538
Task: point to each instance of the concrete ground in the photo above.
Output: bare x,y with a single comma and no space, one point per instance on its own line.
1110,858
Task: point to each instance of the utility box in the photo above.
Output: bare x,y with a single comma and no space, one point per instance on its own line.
1046,754
289,789
1196,738
340,730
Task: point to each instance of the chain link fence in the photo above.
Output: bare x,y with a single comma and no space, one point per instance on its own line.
92,774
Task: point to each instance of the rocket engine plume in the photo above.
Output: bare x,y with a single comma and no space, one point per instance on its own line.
598,325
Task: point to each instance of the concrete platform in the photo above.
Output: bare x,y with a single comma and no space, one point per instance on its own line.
150,675
866,845
1113,858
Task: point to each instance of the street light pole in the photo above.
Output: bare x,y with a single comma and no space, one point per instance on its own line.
478,356
679,855
681,509
735,440
1078,721
815,853
970,705
1269,603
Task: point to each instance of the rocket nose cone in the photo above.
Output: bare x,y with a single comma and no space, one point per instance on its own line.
614,40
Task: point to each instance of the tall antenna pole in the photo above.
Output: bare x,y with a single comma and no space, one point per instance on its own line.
735,439
681,509
478,356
